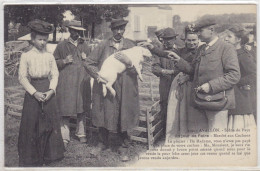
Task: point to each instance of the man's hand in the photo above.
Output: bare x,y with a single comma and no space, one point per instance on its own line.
248,47
68,59
145,44
183,78
167,71
39,96
173,56
204,88
101,80
83,55
48,95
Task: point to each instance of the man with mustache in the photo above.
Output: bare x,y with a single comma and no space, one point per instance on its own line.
215,69
114,116
73,81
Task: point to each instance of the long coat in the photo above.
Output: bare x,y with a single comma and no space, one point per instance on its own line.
120,113
165,79
218,66
73,79
243,97
253,90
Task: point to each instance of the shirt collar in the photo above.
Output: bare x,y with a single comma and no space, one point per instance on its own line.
212,42
74,42
113,43
37,51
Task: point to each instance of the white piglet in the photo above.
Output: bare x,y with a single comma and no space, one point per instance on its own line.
118,62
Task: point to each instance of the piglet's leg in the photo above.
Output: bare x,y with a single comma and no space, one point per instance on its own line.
138,70
104,90
110,88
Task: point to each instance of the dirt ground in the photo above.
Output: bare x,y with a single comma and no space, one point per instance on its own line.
77,154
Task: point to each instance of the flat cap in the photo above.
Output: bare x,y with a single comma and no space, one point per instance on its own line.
205,23
118,23
76,25
169,33
41,26
238,30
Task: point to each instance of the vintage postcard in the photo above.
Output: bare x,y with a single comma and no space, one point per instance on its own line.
130,85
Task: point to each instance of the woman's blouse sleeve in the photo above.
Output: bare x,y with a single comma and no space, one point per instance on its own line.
54,73
23,75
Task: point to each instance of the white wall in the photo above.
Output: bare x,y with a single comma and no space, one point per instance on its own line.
149,16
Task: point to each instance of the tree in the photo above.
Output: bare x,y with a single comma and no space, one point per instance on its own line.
91,15
25,13
176,20
231,18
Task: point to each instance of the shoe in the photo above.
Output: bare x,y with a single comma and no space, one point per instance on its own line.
126,143
98,149
124,158
83,139
123,154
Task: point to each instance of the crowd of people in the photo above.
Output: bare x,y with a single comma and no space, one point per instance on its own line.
208,84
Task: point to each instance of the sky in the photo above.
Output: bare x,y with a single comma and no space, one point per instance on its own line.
68,16
191,12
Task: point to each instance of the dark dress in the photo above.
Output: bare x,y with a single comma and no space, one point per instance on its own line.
248,76
40,138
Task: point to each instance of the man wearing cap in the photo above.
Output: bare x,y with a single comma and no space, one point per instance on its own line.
159,34
71,90
114,116
215,69
164,68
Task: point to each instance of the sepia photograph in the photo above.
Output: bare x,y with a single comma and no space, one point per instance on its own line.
130,85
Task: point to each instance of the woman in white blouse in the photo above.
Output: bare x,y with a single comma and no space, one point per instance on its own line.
40,140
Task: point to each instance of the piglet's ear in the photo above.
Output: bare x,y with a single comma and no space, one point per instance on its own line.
147,53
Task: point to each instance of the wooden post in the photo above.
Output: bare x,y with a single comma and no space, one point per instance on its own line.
151,88
149,133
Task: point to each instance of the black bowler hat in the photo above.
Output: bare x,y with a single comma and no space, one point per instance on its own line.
159,33
41,26
205,23
118,23
169,33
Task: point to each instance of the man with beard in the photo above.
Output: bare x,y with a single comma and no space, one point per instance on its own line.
164,68
73,81
114,116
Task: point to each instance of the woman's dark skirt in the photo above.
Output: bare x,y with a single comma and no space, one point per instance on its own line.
40,138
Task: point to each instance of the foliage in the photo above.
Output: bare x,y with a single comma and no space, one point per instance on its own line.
25,13
231,18
92,15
